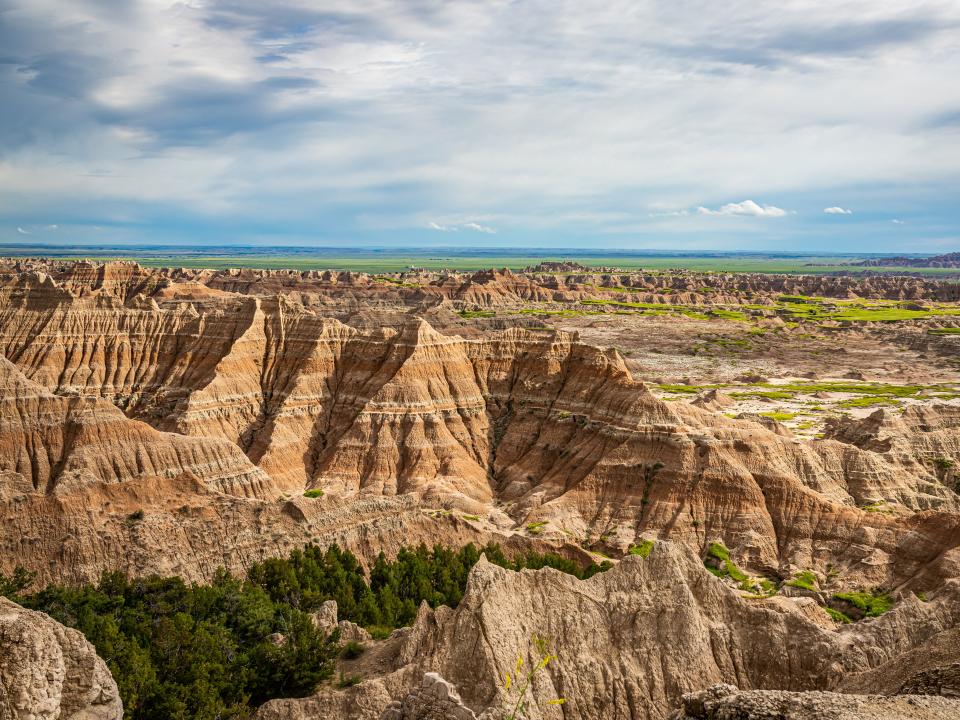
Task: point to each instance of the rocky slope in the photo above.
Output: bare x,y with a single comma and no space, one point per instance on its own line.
724,702
263,398
49,672
628,644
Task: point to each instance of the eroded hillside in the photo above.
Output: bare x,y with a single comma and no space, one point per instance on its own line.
178,421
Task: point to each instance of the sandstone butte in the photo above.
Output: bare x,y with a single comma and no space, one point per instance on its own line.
211,401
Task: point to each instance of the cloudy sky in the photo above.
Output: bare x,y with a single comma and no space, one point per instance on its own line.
687,124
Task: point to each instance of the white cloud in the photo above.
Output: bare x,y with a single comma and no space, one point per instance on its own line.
747,207
480,228
837,211
897,222
476,227
22,231
669,213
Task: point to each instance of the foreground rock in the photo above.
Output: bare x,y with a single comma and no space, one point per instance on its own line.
49,672
725,702
629,643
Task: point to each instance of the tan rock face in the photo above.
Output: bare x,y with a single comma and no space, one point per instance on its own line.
49,672
629,642
55,444
723,702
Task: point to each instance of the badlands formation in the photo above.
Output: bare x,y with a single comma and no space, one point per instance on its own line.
761,458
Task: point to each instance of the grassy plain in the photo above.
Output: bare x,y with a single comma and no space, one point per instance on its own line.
396,260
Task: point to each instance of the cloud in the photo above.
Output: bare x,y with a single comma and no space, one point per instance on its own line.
22,231
897,221
837,211
480,228
669,213
196,120
476,227
747,207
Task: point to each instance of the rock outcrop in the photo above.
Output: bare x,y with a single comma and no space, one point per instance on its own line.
435,699
725,702
629,643
49,672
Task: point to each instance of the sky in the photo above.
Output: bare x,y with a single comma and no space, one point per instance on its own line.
686,125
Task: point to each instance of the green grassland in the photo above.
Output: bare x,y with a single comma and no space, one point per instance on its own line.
385,261
400,263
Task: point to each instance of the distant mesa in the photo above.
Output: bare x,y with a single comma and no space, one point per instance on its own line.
949,260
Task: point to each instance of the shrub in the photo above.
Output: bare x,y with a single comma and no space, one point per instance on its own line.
837,615
345,681
518,683
315,493
135,516
643,549
352,650
719,563
871,604
805,580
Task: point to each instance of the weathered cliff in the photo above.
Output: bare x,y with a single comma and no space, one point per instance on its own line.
49,672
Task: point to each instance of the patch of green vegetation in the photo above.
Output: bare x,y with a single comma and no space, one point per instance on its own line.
536,528
467,314
768,587
728,314
395,281
779,416
867,402
345,681
643,549
379,632
877,507
890,314
872,604
688,389
556,313
764,394
804,580
852,388
474,518
944,331
722,565
838,616
943,464
798,299
352,650
315,493
718,551
820,309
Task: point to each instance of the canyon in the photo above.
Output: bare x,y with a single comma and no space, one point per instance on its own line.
712,436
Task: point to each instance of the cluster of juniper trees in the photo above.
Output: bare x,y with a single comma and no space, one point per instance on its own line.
206,652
